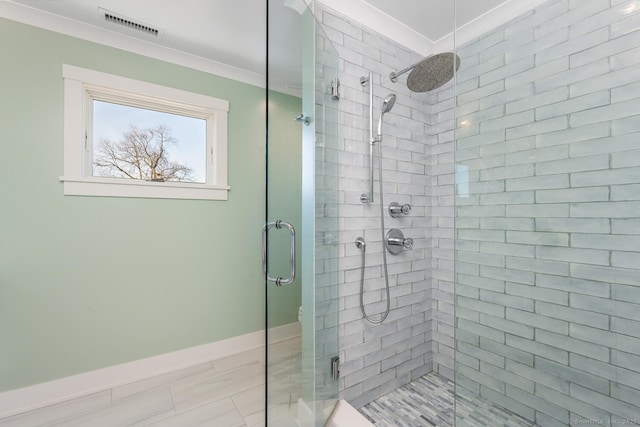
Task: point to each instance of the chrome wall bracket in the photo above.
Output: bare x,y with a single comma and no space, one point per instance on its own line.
306,120
335,89
335,368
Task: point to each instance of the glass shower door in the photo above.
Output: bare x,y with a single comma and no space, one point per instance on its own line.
301,223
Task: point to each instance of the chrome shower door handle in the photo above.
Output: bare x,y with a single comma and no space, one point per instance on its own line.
279,281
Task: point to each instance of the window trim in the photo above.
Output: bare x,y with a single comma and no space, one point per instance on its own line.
81,86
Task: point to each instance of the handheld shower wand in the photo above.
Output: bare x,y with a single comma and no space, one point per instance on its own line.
387,105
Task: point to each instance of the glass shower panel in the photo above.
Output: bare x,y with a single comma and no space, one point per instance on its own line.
547,251
302,335
323,351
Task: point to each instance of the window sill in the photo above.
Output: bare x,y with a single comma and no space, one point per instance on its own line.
117,187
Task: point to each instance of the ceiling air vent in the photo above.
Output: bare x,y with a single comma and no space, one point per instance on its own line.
114,18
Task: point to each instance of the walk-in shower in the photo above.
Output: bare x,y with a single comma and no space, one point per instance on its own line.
522,175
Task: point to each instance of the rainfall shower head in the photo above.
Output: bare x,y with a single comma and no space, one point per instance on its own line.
431,72
387,105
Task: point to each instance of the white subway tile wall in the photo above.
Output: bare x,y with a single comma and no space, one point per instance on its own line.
376,359
547,245
547,172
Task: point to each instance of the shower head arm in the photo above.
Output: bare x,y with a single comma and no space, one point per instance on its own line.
395,74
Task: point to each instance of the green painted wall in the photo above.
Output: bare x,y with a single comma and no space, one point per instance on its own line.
89,282
285,187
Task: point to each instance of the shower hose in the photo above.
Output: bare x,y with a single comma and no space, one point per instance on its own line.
384,315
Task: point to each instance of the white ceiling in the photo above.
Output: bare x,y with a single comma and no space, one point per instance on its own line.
232,32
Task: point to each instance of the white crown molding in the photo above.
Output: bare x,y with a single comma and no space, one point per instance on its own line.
381,23
25,399
486,22
69,27
356,10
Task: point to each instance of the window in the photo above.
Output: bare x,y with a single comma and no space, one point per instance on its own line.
128,138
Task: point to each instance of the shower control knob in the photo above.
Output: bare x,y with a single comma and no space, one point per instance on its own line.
395,242
395,209
408,243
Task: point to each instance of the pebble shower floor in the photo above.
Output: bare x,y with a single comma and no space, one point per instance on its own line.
429,401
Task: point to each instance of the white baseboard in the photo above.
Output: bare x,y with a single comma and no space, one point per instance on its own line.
284,332
40,395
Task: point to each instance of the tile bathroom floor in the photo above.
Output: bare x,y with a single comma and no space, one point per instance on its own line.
227,392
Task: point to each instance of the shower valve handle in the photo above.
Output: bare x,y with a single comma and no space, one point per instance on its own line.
395,209
395,242
408,243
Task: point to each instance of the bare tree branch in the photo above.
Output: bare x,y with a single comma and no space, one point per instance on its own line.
140,154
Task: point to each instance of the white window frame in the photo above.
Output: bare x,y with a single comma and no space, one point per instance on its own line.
82,86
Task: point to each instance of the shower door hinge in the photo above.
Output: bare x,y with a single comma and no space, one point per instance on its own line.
335,89
335,368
